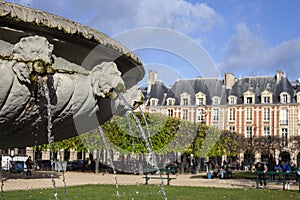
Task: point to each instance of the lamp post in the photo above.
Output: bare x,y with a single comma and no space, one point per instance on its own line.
251,144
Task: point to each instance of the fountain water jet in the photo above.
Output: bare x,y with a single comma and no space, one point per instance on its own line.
150,151
110,159
45,92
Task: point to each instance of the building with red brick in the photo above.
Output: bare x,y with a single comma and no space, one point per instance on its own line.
255,107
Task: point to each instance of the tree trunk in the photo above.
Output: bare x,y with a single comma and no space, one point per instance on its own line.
97,162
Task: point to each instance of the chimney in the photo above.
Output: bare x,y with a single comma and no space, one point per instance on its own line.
152,78
229,80
279,75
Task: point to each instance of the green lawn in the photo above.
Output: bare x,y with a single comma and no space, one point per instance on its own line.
140,192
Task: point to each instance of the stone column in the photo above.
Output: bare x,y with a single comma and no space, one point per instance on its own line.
30,152
46,154
73,154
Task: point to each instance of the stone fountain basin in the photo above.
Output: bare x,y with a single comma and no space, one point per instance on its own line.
77,106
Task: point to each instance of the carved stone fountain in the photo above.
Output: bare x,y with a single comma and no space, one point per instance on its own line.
83,68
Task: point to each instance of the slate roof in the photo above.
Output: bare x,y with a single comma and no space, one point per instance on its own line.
211,87
260,84
215,87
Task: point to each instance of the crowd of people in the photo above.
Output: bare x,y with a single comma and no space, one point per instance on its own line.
265,171
224,171
270,169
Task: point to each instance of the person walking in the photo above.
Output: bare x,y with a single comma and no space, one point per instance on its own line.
29,166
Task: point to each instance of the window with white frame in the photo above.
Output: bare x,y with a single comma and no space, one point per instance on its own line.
200,98
249,133
249,97
283,116
248,114
266,132
185,114
185,99
284,136
232,128
231,114
284,98
231,100
153,102
216,100
266,99
266,112
200,115
170,112
200,101
170,101
215,114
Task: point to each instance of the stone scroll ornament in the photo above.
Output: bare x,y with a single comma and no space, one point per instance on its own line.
74,93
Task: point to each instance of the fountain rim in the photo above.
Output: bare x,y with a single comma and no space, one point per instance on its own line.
17,14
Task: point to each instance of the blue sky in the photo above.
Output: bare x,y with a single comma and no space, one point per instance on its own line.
245,38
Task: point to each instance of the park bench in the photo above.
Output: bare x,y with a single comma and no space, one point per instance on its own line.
160,176
282,179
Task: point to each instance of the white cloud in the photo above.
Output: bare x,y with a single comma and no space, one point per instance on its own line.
116,16
177,14
247,53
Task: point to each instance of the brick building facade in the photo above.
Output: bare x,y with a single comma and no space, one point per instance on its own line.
260,106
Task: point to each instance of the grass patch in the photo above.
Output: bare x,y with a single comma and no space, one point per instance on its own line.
141,192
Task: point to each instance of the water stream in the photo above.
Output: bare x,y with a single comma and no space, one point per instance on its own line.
45,93
147,127
134,169
150,152
63,175
110,159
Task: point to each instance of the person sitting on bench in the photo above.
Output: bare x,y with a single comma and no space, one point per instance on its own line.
261,170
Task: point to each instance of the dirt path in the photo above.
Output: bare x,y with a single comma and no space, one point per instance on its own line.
43,180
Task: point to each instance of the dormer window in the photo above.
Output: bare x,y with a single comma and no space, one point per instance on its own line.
153,101
284,98
266,97
185,99
216,100
200,99
170,101
231,100
249,97
249,100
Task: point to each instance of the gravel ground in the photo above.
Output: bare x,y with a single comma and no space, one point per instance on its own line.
43,180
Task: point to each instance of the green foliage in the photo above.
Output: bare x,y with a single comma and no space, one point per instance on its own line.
164,134
126,134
